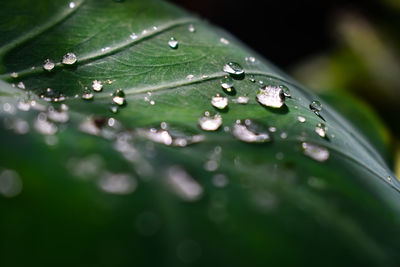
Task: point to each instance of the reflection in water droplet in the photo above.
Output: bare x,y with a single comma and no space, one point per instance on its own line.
69,59
173,43
97,86
241,100
246,133
219,102
271,96
227,83
301,119
285,90
183,184
191,28
233,68
208,123
119,97
48,65
120,184
321,129
43,126
315,152
10,183
316,107
9,108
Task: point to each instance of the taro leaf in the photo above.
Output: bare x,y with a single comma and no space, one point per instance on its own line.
85,186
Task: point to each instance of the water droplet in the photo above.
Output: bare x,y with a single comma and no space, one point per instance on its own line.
72,5
14,75
48,65
271,96
21,85
224,41
321,129
152,102
57,116
389,179
316,107
286,90
272,129
208,123
251,59
158,136
173,43
220,180
10,183
301,119
24,106
191,28
315,152
183,184
233,68
241,100
119,97
120,184
190,76
283,135
43,126
87,94
133,36
247,133
114,108
21,126
97,86
219,102
69,59
227,83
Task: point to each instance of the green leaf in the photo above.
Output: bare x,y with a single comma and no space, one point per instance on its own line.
85,186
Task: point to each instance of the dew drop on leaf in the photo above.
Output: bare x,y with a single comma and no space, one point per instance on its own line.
120,184
48,65
97,86
21,85
241,100
285,90
10,183
316,107
72,5
119,97
245,133
43,126
208,123
315,152
69,59
321,129
173,43
227,83
219,102
183,184
271,96
191,28
87,95
233,68
301,119
114,108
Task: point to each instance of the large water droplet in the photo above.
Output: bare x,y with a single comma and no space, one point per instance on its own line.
247,133
208,123
271,96
173,43
97,86
219,102
119,97
315,152
233,68
321,129
316,107
69,59
48,65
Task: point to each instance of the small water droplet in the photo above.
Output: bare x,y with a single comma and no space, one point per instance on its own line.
271,96
321,129
43,126
48,65
24,106
191,28
173,43
251,59
301,119
241,100
224,41
97,86
87,95
119,97
286,90
389,179
316,107
190,76
21,85
315,152
283,135
219,102
21,126
72,5
208,123
233,68
227,83
152,102
120,184
251,79
114,108
69,59
245,133
14,75
10,183
272,129
133,36
220,180
183,184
